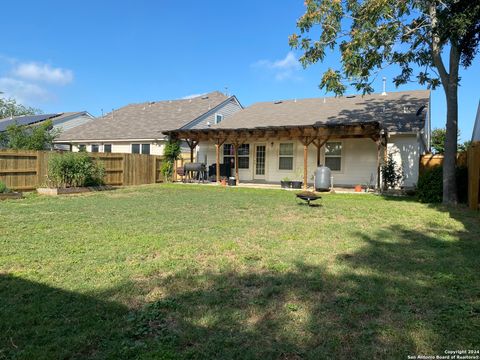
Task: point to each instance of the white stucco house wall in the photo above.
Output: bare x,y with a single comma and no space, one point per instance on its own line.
138,128
404,119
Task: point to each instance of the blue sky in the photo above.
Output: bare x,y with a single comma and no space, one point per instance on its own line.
92,55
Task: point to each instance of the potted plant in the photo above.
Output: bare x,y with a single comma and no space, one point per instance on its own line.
6,193
297,183
286,183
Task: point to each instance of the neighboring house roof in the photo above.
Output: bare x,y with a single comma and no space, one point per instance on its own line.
146,120
36,119
396,112
476,126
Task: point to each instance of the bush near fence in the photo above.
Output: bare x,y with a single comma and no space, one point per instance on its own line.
27,170
470,159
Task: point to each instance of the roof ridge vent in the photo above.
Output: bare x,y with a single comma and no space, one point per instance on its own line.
278,102
350,96
204,97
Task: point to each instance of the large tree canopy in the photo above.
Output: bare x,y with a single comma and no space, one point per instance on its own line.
411,34
34,137
10,108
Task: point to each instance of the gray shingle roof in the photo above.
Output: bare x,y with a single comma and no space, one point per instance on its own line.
35,119
145,120
396,111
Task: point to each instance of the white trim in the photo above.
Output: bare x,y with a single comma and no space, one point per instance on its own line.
342,156
293,157
222,117
106,141
254,162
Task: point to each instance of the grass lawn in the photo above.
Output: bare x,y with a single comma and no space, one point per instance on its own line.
180,271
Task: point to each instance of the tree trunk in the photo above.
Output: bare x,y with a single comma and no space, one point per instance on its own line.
450,156
450,85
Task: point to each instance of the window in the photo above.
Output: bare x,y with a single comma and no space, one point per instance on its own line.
94,147
135,148
243,155
82,147
333,155
146,149
218,118
285,159
141,149
107,148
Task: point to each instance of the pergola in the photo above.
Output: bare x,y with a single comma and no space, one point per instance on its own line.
316,134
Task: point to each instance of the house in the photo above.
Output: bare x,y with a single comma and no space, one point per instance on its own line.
137,128
61,121
351,135
476,126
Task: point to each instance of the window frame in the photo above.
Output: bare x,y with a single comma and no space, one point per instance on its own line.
139,148
97,146
341,156
231,157
82,147
149,149
286,156
108,152
221,118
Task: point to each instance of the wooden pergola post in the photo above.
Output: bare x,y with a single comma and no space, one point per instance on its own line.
379,145
305,164
305,141
192,144
217,150
235,150
217,161
319,143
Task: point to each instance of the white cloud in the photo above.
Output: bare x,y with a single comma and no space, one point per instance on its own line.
43,73
22,91
283,69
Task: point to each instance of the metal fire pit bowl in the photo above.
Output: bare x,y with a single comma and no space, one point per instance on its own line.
308,196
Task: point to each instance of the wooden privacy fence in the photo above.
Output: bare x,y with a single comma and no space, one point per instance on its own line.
474,175
471,159
27,170
429,161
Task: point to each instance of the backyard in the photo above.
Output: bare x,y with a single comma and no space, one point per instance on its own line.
203,272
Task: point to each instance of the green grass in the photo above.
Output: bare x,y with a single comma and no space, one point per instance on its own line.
178,271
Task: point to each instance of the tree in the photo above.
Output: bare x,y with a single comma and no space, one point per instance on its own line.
34,137
10,108
373,34
171,152
438,141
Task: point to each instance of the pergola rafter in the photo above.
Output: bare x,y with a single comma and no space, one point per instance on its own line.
317,134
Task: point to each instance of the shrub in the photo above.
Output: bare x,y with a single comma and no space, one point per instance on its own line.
167,170
171,153
462,184
391,173
3,187
430,185
74,169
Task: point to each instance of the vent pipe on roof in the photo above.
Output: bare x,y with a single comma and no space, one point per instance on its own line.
384,79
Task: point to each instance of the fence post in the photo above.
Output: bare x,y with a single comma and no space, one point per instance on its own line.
38,162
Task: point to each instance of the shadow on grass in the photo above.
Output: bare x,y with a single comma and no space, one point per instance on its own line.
401,293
